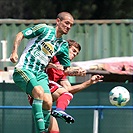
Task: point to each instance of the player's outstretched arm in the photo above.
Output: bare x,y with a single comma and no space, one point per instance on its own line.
14,55
69,71
75,71
94,79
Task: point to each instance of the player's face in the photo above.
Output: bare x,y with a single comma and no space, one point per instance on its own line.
65,24
73,52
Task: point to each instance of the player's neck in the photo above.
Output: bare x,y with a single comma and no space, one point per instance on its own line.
58,33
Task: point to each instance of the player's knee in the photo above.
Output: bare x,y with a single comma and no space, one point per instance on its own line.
38,92
47,101
69,94
47,105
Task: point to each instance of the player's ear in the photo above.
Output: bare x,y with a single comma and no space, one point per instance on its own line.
58,21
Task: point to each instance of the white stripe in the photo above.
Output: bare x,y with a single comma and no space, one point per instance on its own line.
52,82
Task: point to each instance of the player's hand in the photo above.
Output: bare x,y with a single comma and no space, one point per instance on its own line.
81,72
96,78
14,57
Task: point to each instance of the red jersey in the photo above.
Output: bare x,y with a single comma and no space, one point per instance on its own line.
54,74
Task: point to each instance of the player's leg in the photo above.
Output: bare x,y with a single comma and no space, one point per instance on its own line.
37,93
62,98
60,95
41,98
46,113
47,105
62,102
47,100
53,128
27,82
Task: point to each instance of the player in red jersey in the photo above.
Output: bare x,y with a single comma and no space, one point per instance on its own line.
61,89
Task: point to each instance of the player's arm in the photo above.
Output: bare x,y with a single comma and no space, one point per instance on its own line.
52,65
74,71
68,71
94,79
28,33
17,41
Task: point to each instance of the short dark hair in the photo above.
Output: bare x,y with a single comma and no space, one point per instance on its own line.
62,14
74,43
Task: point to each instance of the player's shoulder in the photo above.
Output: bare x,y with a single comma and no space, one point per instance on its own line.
65,42
38,26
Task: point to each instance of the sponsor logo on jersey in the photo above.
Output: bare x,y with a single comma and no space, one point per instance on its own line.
47,48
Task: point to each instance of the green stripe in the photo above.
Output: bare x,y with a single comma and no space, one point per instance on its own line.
23,74
38,27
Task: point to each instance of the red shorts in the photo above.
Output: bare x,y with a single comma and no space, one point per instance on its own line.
53,86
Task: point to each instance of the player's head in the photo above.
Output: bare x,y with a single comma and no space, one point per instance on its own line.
64,22
74,48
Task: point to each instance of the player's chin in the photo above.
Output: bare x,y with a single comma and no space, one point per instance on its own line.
66,31
71,58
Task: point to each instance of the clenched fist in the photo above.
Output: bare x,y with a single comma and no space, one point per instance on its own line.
14,57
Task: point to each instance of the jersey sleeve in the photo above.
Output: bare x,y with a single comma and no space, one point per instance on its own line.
34,31
63,55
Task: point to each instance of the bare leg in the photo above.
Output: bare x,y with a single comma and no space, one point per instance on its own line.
53,128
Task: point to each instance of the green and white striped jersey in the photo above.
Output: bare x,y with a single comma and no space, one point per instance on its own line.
42,46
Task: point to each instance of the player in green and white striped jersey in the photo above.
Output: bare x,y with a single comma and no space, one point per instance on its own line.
42,47
44,42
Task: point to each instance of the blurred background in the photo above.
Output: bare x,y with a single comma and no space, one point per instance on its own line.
104,28
48,9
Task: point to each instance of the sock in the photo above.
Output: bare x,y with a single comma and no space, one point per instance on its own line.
38,115
63,101
46,114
